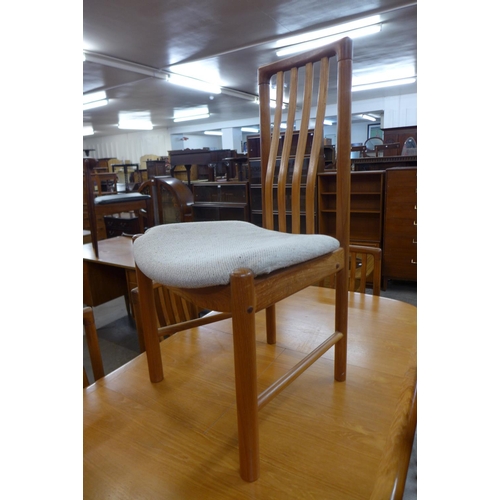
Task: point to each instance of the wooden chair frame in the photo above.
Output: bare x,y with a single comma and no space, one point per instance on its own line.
247,294
139,206
360,268
173,313
182,197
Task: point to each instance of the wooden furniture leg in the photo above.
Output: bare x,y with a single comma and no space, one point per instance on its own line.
93,343
243,306
149,327
271,324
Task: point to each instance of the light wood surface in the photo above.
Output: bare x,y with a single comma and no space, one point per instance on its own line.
320,439
116,251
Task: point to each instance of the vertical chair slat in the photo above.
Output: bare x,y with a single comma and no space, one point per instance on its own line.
301,147
287,145
268,221
316,146
364,272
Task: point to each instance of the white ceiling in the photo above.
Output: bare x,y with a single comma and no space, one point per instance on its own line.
129,45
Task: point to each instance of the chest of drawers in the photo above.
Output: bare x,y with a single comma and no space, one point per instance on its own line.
400,224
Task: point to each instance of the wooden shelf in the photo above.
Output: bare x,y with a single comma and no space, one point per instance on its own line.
227,200
366,206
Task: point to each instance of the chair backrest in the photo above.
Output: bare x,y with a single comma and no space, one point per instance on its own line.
298,76
173,200
108,180
365,265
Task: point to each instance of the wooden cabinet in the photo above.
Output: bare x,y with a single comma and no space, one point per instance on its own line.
220,201
367,194
399,258
156,168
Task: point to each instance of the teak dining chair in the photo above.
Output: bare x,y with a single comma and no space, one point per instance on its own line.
238,268
113,203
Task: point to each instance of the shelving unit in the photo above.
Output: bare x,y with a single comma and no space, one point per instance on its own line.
367,195
220,201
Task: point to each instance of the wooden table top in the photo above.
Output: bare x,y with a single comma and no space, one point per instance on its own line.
112,251
319,439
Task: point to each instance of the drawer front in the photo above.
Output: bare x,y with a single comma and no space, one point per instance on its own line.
401,193
400,258
398,225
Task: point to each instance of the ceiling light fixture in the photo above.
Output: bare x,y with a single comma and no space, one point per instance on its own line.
327,122
193,83
252,130
96,104
368,117
94,100
193,117
213,132
88,130
380,85
314,39
186,114
135,125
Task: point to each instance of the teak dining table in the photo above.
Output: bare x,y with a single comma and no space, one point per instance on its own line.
319,439
112,274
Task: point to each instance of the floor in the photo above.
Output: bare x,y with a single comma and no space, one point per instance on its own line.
118,343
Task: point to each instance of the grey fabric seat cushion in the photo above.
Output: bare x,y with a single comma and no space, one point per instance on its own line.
201,254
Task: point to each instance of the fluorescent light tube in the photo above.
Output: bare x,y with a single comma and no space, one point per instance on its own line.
368,117
95,104
320,42
250,129
213,132
380,85
88,130
95,96
193,83
191,117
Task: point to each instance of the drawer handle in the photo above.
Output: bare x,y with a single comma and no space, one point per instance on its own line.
414,222
415,207
414,241
413,261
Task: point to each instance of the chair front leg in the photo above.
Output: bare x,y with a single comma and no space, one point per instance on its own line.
243,314
147,316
